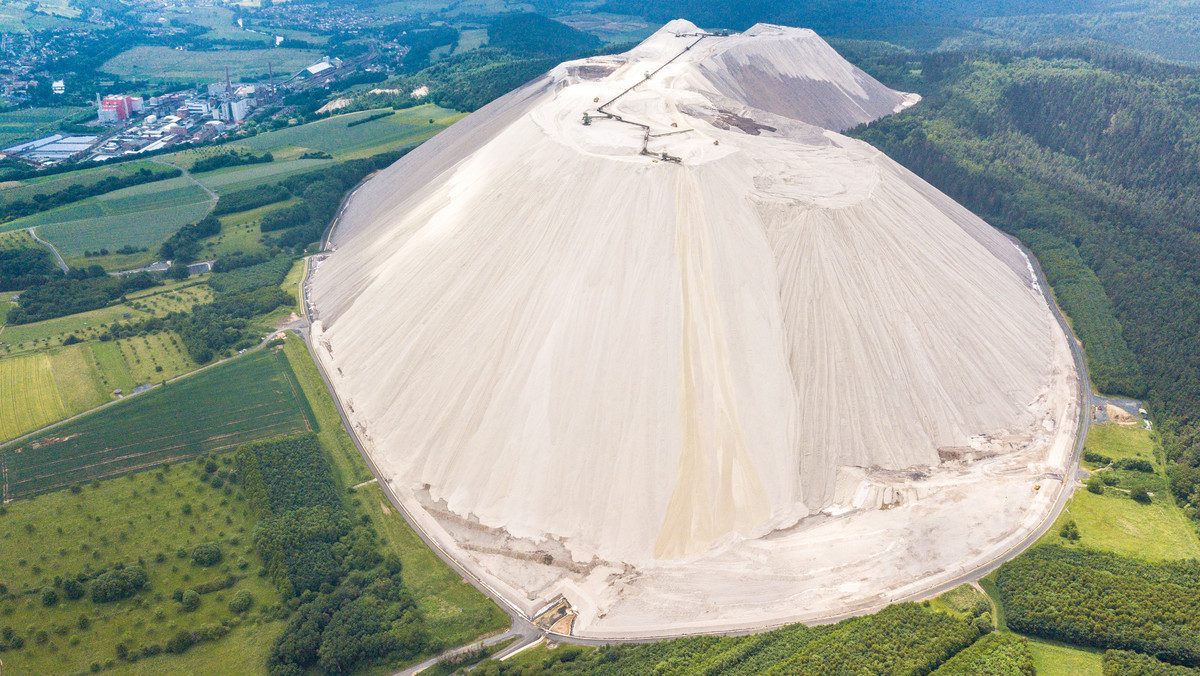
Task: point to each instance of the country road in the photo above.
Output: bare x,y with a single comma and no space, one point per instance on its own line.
57,258
213,197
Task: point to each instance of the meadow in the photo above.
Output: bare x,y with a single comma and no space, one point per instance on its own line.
25,125
1112,521
139,216
156,301
153,520
240,233
332,135
247,398
163,64
28,188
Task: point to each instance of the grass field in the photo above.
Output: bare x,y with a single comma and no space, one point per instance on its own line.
162,64
470,38
26,125
17,239
147,517
251,397
961,600
331,135
29,397
140,216
1057,659
156,301
124,364
225,181
43,387
219,21
239,232
455,612
1115,523
27,188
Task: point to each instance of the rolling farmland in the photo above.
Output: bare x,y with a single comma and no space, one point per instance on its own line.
21,125
142,215
331,135
29,398
162,64
250,398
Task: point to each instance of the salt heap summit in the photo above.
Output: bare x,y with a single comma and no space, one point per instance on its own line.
697,361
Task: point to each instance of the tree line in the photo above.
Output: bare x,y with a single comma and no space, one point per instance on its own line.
350,603
1104,600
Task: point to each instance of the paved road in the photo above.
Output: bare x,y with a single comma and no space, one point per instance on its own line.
57,258
527,632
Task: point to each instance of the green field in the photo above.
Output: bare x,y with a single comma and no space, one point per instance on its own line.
455,612
331,135
124,364
43,387
16,239
1056,659
28,188
248,398
224,181
219,21
239,232
141,216
1115,523
155,301
26,125
162,64
149,518
29,397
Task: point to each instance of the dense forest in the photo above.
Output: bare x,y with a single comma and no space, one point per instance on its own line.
350,604
992,655
81,290
1090,155
1125,663
26,266
1104,600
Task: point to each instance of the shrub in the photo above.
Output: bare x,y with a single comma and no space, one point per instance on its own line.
118,584
241,602
1135,464
1070,531
1095,485
73,589
1140,494
190,600
207,554
49,596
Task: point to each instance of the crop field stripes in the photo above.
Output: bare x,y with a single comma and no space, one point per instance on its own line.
248,398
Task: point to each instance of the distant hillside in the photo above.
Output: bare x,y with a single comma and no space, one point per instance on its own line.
533,35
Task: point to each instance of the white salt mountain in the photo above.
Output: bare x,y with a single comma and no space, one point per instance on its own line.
678,386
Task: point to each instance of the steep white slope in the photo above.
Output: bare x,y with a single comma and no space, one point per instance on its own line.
592,364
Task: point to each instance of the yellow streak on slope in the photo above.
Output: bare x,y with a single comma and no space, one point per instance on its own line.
702,509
